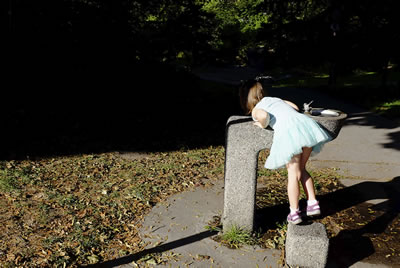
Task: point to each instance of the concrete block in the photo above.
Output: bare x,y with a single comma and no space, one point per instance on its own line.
307,245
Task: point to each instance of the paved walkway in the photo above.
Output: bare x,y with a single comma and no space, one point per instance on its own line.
368,147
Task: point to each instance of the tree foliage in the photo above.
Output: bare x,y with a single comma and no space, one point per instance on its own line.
190,32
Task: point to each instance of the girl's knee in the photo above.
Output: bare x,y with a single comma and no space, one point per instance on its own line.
294,167
295,174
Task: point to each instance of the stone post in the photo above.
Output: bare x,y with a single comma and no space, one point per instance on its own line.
243,144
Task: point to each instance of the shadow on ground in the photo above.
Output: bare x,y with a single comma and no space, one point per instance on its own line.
349,246
158,249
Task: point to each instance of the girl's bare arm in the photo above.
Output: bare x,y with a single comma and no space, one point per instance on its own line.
261,117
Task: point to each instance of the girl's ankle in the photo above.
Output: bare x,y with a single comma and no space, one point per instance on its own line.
312,202
294,210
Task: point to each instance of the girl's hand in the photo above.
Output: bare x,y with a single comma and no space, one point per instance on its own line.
258,124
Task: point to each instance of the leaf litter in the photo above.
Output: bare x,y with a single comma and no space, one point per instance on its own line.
86,209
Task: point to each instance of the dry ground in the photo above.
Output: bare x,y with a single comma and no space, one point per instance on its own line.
86,209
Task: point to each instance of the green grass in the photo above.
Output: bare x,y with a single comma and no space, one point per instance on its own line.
388,108
235,237
8,182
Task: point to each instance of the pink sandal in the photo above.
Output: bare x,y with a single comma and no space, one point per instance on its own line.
294,218
314,210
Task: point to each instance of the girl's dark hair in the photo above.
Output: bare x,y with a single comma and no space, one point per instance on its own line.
250,93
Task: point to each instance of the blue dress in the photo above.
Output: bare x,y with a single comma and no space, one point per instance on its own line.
292,132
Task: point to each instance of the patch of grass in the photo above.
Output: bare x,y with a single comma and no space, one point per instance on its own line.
14,176
388,108
235,237
8,182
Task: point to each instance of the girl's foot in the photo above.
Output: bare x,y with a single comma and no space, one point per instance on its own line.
294,218
314,210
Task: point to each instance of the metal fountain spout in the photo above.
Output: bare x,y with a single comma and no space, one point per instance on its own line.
307,108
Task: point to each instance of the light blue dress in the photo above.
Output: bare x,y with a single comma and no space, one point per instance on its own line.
292,132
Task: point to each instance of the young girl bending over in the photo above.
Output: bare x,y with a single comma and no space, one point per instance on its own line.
296,136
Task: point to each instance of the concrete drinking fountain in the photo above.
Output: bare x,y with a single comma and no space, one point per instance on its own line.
244,141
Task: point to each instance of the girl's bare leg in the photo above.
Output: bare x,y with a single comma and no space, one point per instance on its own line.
306,180
294,176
